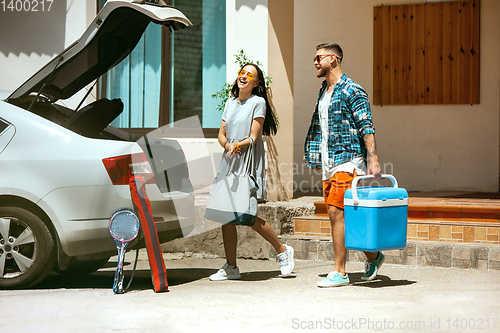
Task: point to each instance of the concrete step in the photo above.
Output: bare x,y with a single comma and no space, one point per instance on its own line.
416,253
282,216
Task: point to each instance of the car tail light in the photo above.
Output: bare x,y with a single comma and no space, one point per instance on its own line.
121,168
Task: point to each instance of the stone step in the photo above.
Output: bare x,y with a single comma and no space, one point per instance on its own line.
416,253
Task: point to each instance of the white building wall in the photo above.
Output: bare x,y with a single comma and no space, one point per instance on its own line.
29,39
247,29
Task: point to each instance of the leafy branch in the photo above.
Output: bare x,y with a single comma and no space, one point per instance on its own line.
225,91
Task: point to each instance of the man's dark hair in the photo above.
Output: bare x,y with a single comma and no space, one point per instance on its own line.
334,48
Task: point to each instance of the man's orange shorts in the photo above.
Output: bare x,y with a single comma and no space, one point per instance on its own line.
335,187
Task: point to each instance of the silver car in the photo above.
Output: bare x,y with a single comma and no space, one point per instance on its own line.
64,172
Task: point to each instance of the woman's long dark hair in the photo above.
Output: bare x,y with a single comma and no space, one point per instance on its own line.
270,127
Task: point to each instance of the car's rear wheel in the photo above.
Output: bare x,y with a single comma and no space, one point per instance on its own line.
27,251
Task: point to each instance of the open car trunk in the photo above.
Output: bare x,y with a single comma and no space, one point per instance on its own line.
110,38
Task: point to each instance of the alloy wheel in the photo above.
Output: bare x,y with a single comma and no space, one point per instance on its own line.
17,247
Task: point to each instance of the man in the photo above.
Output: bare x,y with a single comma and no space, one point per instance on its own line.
340,140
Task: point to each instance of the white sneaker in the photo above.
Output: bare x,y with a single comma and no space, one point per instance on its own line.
286,261
226,273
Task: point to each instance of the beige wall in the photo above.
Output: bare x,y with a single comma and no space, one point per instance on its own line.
427,148
280,65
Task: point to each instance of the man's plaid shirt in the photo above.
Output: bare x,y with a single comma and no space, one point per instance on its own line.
349,118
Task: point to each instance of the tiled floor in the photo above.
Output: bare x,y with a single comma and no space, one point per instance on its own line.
439,216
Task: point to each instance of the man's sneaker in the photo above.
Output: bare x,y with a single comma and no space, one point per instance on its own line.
334,279
286,261
372,267
226,273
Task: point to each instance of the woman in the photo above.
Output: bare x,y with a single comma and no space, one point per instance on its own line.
248,114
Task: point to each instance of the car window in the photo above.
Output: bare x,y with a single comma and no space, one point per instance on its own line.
3,126
7,132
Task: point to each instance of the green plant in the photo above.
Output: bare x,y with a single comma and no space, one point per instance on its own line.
225,91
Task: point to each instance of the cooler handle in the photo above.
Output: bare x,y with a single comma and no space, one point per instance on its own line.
356,180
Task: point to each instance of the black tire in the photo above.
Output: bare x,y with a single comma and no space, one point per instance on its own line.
82,267
27,250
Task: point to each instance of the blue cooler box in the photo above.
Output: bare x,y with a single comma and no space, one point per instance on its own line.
375,217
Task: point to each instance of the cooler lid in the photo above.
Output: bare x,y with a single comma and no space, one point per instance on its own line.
378,196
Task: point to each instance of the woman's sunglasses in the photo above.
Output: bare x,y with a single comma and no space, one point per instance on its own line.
250,76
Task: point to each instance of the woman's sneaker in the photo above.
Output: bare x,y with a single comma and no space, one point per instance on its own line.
286,261
226,273
334,279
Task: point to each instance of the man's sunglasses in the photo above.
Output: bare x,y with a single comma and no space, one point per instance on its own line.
250,76
318,58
